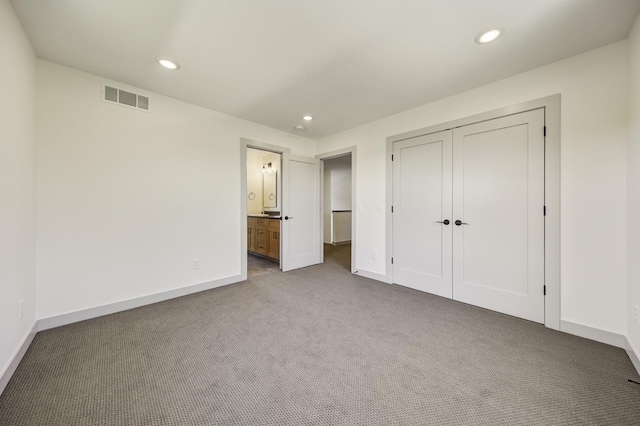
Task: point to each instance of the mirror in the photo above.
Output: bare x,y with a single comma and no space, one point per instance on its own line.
270,189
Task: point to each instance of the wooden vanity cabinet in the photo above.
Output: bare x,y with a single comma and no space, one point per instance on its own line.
263,237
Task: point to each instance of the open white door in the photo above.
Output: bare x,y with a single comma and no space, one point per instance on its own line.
300,211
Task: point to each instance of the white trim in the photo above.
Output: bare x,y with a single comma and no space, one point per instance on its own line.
593,333
372,275
17,356
354,179
112,308
551,105
553,203
633,353
244,144
322,215
389,216
478,118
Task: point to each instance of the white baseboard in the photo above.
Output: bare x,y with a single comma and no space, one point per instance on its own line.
11,367
372,275
633,353
112,308
593,333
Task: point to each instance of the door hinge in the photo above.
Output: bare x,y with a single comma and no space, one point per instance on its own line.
392,260
391,209
391,157
544,290
544,131
544,210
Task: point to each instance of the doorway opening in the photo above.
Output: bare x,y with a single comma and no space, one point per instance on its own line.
338,200
264,203
284,224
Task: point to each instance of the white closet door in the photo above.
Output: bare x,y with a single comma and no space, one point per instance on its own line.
498,194
421,199
300,240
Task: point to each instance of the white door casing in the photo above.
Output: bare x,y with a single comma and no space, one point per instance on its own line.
498,192
489,176
422,252
549,106
300,212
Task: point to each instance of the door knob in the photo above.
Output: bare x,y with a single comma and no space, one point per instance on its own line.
459,222
445,222
288,217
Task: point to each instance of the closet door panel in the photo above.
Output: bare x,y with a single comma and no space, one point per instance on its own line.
498,199
421,202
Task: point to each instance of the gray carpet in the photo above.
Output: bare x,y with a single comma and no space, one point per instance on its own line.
317,346
257,266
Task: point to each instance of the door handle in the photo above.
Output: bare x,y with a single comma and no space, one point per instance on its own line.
288,217
459,222
445,222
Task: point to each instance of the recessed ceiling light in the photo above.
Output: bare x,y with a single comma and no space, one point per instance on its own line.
299,127
172,65
488,36
307,118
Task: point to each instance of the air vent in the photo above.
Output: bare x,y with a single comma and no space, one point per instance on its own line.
125,98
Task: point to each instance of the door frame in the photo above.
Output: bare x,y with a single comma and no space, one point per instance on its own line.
244,144
551,106
328,156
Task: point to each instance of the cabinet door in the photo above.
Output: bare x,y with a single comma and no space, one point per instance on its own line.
274,244
273,238
261,246
251,238
261,239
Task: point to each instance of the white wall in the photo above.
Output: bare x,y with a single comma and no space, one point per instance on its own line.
127,199
254,180
594,132
17,186
341,183
341,224
633,188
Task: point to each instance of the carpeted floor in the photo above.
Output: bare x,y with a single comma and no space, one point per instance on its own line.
317,346
339,255
257,266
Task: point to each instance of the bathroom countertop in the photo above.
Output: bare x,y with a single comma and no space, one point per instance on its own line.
266,216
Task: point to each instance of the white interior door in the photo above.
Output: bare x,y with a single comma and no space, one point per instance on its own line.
300,212
421,209
498,195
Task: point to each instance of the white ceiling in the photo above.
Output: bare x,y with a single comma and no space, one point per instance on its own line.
346,62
